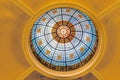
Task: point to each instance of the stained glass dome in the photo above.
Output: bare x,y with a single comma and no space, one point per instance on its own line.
64,39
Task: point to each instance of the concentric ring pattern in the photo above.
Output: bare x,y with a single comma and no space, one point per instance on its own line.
64,39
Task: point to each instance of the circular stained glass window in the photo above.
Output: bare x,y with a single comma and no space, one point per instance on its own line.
64,39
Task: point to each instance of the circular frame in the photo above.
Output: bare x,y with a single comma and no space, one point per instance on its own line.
56,74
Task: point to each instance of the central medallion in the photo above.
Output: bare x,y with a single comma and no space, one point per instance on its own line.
63,30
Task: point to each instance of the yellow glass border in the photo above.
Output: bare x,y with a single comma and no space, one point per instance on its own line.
70,74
